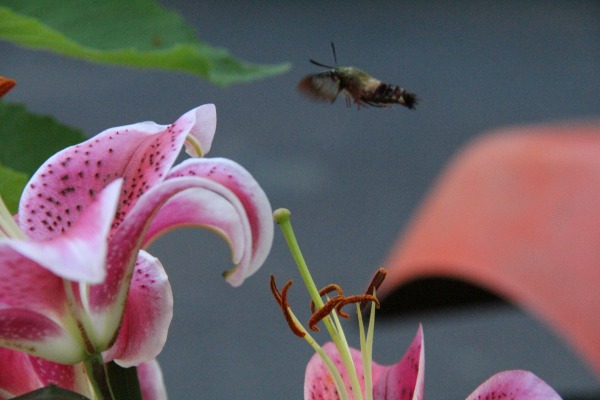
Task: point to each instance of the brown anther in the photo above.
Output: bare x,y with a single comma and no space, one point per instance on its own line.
275,291
374,285
281,299
326,290
5,85
324,311
359,298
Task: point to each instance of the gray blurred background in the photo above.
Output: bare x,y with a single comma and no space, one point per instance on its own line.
351,177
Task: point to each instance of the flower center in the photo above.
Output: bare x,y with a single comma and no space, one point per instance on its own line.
328,310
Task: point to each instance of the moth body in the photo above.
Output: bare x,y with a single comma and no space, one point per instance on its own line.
356,85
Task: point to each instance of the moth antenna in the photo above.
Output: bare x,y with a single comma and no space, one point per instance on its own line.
334,55
320,64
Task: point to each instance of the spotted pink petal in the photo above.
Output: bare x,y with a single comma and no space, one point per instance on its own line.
248,254
518,212
21,373
79,254
404,380
33,310
514,385
141,154
106,300
147,316
151,381
17,375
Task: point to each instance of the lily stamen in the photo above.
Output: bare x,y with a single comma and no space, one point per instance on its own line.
324,312
281,299
325,291
377,280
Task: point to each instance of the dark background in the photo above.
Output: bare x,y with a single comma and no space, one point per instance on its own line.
351,177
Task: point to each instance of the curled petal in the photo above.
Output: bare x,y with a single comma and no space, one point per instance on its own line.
256,210
147,315
151,381
106,300
203,121
514,385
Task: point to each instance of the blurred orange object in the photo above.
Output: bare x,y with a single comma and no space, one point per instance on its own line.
5,85
517,212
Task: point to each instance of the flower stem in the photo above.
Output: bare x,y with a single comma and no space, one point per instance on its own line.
94,367
282,217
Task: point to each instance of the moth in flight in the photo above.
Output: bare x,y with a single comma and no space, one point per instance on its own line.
356,85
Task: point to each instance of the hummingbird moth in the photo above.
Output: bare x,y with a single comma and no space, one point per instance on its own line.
356,85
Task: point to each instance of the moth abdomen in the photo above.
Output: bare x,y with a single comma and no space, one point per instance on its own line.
386,93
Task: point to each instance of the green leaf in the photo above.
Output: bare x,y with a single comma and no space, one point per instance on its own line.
28,139
51,393
137,33
11,187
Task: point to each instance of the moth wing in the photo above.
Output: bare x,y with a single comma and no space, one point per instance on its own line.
323,86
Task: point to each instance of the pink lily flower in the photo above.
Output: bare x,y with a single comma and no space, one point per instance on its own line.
516,212
405,380
74,280
339,372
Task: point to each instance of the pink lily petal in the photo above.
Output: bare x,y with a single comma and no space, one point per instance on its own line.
17,375
318,383
151,381
33,310
518,212
141,154
71,377
203,121
147,316
106,300
80,253
514,385
404,380
256,207
21,373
